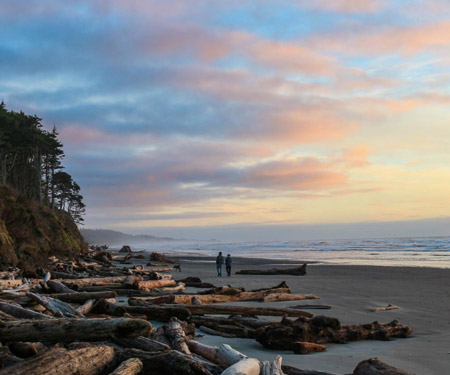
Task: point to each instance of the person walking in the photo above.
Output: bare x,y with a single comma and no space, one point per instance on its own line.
219,262
228,265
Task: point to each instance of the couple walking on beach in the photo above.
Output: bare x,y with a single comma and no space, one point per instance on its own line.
219,262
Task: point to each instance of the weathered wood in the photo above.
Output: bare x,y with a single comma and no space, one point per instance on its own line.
142,343
322,329
303,347
59,361
375,366
26,349
5,316
21,313
152,284
213,332
249,321
275,368
226,326
296,271
132,366
223,355
59,287
243,310
276,297
178,363
10,283
96,281
103,306
385,308
159,313
69,330
247,366
65,275
174,332
195,282
55,306
83,296
86,307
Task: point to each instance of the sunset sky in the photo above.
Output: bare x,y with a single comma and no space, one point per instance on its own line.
242,119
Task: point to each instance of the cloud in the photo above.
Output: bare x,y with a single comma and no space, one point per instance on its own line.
344,6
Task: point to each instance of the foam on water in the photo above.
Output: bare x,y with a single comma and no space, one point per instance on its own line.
411,251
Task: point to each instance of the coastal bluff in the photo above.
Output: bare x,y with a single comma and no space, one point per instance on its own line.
30,232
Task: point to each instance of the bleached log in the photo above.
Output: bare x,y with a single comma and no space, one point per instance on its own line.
248,366
152,284
265,368
275,368
132,366
21,313
59,361
85,308
385,308
229,356
223,355
55,306
69,330
96,281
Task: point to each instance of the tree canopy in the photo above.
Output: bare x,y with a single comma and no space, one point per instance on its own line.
31,162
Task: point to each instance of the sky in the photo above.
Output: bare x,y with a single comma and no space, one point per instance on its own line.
242,119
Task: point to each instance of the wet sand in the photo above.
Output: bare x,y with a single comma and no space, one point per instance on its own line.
423,295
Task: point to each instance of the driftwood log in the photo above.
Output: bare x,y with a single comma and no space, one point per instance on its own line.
242,310
159,313
69,330
297,271
375,366
89,360
178,363
174,332
132,366
142,343
19,312
291,335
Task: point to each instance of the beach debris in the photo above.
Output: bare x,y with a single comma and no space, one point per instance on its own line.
195,282
132,366
296,271
312,307
59,361
385,308
321,329
374,366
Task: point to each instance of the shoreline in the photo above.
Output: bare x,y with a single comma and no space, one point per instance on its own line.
422,293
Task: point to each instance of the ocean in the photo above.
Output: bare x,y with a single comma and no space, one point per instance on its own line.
410,251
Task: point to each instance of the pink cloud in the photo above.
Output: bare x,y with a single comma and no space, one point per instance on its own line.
406,40
346,6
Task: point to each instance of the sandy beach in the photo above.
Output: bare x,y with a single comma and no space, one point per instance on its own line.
423,295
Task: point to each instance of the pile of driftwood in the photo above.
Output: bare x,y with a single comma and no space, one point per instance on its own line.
91,317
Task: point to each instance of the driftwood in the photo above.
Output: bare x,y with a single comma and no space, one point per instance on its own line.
132,366
152,284
320,330
83,296
223,355
10,283
69,330
171,360
86,307
157,257
55,306
222,326
174,332
385,308
59,287
375,366
125,249
26,349
242,310
313,307
213,332
277,297
90,360
159,313
297,271
247,366
142,343
21,313
288,370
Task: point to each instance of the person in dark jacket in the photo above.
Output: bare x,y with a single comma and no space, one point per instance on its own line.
219,262
228,264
